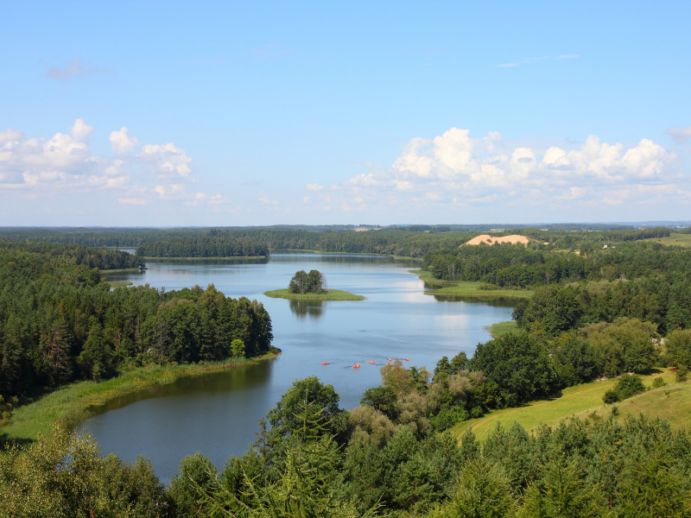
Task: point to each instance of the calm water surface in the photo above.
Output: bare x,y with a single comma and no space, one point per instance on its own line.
218,414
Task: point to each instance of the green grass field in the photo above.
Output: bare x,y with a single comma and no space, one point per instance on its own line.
502,328
582,400
673,240
466,288
71,404
327,295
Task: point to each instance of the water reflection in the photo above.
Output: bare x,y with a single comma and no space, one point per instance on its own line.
311,308
497,302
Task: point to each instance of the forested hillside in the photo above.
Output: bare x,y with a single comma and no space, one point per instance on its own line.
59,322
205,246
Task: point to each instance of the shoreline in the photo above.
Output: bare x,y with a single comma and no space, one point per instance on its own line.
70,405
293,251
329,295
466,288
232,258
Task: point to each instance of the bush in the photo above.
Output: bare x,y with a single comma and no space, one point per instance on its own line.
448,417
659,382
488,287
610,397
629,386
682,373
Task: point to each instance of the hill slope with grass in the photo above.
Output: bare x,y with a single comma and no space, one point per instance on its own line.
672,402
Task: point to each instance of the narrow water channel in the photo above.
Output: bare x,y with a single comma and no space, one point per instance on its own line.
218,414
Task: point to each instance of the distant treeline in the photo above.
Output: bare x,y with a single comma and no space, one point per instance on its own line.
59,322
408,241
204,246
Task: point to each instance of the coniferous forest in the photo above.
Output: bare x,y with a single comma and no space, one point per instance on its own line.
59,322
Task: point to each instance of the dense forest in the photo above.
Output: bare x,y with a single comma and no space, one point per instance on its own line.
59,322
640,280
204,246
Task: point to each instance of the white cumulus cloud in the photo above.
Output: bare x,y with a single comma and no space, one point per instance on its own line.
167,159
122,142
487,170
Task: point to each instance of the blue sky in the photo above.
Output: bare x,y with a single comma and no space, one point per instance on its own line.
254,113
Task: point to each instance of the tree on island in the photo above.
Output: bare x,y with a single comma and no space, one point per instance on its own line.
302,282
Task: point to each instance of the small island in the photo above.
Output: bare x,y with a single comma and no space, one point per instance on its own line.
311,286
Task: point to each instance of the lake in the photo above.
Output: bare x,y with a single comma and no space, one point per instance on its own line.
218,414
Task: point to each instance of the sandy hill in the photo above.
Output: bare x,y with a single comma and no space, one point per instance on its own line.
486,238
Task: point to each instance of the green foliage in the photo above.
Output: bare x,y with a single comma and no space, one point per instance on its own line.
626,345
302,282
6,407
563,493
682,373
611,397
284,418
197,478
658,383
383,399
59,323
483,491
448,417
518,366
64,476
237,348
629,386
678,345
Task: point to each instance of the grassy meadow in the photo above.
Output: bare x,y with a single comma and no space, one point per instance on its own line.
673,240
327,295
502,328
584,399
466,288
71,404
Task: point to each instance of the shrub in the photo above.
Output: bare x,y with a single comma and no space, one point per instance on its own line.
488,287
629,386
682,373
448,417
610,397
659,382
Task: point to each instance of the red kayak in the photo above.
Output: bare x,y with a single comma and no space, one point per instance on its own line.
325,363
407,359
356,366
390,360
371,361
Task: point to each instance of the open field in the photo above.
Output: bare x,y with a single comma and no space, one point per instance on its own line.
502,328
672,402
71,404
327,295
580,400
673,240
466,288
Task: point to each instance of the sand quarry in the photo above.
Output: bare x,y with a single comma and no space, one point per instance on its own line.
489,240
